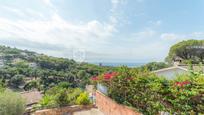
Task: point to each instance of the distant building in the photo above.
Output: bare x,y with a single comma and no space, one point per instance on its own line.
23,53
32,65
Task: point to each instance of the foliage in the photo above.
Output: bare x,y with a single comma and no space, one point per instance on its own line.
11,103
191,51
83,99
152,66
16,80
2,86
34,84
150,94
73,95
59,96
48,101
44,71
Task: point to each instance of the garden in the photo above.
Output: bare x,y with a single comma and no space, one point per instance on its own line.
63,95
150,94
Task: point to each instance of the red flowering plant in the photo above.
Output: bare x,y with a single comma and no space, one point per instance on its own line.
182,84
104,78
186,94
151,94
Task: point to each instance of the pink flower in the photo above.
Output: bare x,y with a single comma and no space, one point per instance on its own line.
181,84
108,76
95,78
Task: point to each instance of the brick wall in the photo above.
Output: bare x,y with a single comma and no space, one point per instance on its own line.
63,111
110,107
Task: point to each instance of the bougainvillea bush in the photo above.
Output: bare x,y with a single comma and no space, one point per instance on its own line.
151,94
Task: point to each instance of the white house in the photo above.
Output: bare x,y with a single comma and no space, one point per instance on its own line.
171,72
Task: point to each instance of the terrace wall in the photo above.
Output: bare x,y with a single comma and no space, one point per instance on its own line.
62,111
110,107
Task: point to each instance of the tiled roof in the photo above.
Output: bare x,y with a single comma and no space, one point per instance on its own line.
182,67
170,68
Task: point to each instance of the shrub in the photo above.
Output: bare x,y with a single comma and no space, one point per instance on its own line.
16,80
64,85
150,94
11,103
2,86
72,96
34,84
59,96
83,99
48,101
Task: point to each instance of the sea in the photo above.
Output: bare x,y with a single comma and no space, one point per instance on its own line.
131,65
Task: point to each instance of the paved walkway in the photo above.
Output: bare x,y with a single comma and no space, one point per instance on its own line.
93,111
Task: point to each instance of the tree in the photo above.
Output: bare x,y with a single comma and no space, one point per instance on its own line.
34,84
190,50
17,80
152,66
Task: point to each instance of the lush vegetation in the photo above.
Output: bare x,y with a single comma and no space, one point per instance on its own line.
10,103
150,94
190,51
63,95
63,80
22,68
152,66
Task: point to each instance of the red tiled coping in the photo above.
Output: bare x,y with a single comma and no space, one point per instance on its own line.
110,107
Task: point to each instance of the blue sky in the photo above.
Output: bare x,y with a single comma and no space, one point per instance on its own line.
101,30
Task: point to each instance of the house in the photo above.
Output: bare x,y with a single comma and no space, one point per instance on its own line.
171,72
33,65
177,69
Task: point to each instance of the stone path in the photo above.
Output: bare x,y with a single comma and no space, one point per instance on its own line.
93,111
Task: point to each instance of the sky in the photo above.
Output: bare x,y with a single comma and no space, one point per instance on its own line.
101,30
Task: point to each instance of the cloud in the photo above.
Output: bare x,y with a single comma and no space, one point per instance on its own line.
140,0
45,35
179,37
170,36
13,10
115,11
48,2
157,23
56,30
197,35
145,34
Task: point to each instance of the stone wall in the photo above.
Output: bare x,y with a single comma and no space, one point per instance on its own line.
110,107
63,111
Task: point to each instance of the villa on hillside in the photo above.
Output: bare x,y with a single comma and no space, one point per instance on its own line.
176,69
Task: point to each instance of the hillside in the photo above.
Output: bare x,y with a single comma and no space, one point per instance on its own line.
22,69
